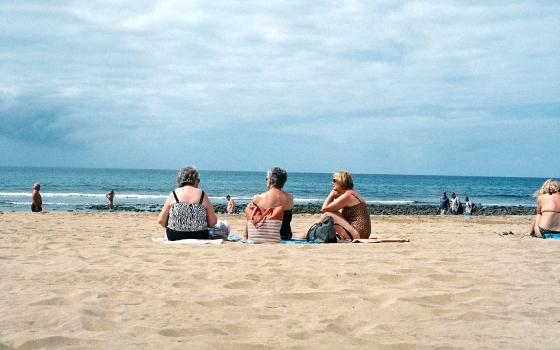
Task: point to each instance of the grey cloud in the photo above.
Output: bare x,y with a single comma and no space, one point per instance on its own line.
110,70
35,121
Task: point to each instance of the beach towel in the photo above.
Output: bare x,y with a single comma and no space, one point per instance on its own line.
297,241
374,240
187,241
263,224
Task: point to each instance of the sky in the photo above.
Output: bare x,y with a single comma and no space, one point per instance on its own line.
381,87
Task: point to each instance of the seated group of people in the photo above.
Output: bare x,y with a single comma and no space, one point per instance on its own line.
188,212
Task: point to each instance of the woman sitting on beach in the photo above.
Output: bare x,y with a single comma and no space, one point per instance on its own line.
276,197
187,212
347,208
547,221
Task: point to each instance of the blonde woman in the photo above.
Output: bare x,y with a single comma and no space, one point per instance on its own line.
347,208
547,221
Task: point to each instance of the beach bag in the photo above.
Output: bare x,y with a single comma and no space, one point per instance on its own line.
220,230
322,232
263,225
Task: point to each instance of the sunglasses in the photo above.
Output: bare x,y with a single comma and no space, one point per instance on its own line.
333,180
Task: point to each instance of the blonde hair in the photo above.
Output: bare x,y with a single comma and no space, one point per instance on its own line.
344,178
550,186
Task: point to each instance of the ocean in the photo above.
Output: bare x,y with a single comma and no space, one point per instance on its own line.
82,189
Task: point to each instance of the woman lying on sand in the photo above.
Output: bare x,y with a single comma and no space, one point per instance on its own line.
547,221
347,208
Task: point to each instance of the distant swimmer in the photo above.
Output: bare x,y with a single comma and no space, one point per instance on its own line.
110,196
36,200
230,205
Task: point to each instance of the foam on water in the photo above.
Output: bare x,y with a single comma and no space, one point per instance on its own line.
69,188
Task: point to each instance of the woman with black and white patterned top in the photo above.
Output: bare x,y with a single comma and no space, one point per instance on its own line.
187,212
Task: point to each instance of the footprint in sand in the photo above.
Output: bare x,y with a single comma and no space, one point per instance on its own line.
380,301
94,324
299,335
269,317
181,285
442,278
51,301
239,285
439,299
478,316
97,320
56,342
253,277
239,300
334,328
186,332
393,278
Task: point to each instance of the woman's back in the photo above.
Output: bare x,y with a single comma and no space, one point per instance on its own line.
277,198
188,213
274,198
549,206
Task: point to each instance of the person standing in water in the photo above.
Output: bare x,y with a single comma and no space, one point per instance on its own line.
36,199
110,196
230,205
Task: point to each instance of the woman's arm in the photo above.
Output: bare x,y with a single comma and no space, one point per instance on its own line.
538,219
211,218
164,215
334,202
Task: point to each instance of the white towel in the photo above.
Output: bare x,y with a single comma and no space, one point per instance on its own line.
188,241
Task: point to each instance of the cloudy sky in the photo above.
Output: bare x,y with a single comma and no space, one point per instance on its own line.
397,87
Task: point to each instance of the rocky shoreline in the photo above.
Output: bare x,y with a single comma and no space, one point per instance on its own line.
403,209
375,209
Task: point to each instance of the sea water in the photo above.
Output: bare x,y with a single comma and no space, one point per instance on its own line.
65,189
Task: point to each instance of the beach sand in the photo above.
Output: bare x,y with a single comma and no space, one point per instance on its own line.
96,280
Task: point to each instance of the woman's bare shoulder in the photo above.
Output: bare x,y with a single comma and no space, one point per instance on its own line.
258,197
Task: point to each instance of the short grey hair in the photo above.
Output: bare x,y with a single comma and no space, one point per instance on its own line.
277,177
187,176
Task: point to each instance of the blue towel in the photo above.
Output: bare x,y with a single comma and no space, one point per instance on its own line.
297,241
234,238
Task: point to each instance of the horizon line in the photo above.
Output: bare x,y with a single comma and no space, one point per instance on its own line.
257,171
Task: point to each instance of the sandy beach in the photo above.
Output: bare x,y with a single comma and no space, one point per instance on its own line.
96,280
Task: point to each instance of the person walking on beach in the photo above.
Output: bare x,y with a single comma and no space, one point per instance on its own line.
36,199
455,204
230,205
468,206
110,196
443,204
